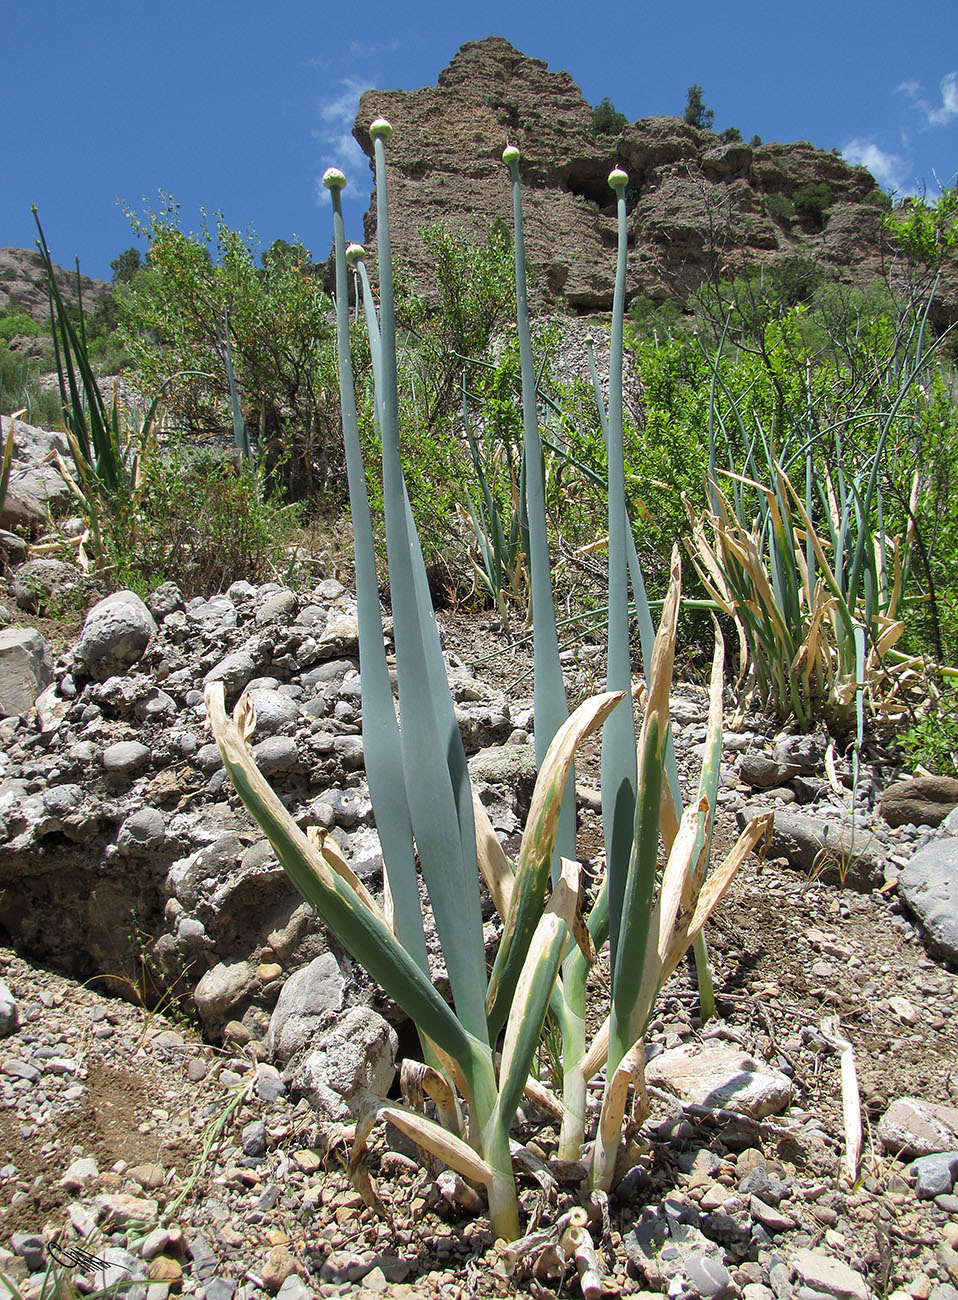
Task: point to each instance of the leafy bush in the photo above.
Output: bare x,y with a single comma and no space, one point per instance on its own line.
932,739
18,322
731,135
780,208
606,121
202,524
651,319
173,320
878,199
812,202
20,390
926,231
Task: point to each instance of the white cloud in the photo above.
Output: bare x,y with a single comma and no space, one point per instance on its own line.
935,115
949,101
887,168
334,134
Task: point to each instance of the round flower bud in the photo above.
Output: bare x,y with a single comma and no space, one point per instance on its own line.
589,340
354,253
380,127
333,178
510,155
618,178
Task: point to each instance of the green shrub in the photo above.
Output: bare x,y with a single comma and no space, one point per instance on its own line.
924,231
18,322
780,208
731,135
202,524
878,199
812,202
932,739
606,121
20,389
172,320
652,319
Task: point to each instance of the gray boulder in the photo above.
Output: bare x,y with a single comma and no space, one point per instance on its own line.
21,509
235,672
26,668
762,772
116,632
9,1017
354,1064
224,992
929,885
307,1000
826,850
142,833
125,760
275,713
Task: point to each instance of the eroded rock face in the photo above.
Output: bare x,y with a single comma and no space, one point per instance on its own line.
694,202
124,852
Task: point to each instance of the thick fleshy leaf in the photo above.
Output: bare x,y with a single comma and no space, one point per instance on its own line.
533,990
361,931
536,852
439,1142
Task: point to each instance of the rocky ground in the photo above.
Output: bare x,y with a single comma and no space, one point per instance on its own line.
200,1163
182,1043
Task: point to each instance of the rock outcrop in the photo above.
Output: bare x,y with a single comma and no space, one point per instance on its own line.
695,203
23,288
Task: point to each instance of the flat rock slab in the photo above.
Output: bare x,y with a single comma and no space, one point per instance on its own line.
719,1075
828,1276
26,668
826,850
912,1127
929,885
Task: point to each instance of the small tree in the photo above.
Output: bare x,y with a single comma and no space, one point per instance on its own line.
925,231
281,340
125,266
696,114
281,255
606,121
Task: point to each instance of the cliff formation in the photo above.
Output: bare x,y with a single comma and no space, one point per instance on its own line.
697,205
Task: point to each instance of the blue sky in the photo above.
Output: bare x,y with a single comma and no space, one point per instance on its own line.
239,106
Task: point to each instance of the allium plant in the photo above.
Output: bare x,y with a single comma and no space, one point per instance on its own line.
480,1047
641,798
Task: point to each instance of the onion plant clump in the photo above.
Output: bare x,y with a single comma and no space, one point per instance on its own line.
797,550
479,1047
